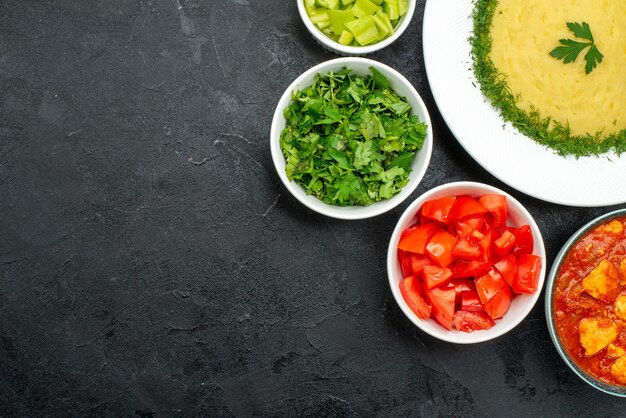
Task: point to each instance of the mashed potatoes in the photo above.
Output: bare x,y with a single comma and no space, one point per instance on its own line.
525,31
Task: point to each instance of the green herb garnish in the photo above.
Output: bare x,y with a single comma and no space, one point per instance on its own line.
543,130
350,140
570,49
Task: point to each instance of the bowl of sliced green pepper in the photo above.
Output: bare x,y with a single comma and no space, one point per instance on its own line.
356,27
351,138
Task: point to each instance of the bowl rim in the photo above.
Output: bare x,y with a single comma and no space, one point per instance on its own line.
353,212
549,306
459,337
334,46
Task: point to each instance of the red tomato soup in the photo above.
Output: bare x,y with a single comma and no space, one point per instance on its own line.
590,302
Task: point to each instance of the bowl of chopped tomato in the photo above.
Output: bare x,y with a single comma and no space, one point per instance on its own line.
586,303
466,262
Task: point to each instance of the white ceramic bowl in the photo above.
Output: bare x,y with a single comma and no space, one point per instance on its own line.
337,48
402,87
520,306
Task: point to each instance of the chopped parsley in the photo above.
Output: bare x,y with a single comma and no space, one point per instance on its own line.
350,140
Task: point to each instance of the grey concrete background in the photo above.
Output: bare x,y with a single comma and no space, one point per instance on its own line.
152,264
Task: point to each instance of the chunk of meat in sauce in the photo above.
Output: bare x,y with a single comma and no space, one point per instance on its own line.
614,351
620,307
602,281
614,227
618,369
596,333
622,267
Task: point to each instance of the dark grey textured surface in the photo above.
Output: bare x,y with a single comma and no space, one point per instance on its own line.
151,263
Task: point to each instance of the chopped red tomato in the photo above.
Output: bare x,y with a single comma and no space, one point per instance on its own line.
475,223
412,264
466,207
414,297
405,264
488,285
477,235
527,274
524,241
442,302
415,241
462,284
465,227
438,209
504,244
469,321
507,267
418,262
473,268
470,301
499,304
485,247
462,264
465,250
408,231
496,205
440,246
435,276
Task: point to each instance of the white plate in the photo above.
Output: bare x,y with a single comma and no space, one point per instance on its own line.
503,151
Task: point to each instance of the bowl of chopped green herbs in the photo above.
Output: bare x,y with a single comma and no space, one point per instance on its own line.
356,27
351,138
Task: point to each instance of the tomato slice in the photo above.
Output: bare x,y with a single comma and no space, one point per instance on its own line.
499,304
469,321
497,207
438,209
507,267
415,240
489,284
524,241
527,274
504,244
440,246
465,250
470,301
435,276
442,302
466,207
473,268
414,297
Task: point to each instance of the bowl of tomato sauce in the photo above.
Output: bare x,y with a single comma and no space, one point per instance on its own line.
586,303
466,262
